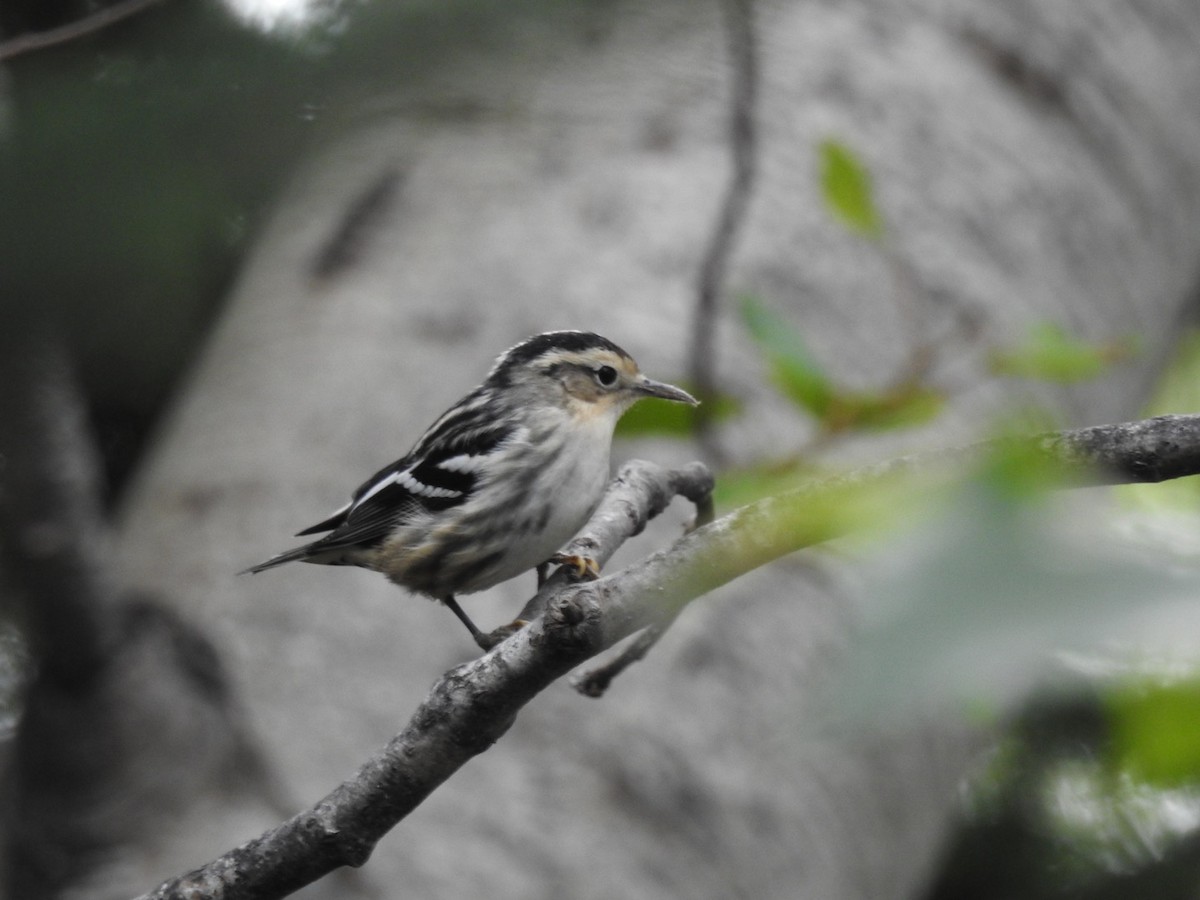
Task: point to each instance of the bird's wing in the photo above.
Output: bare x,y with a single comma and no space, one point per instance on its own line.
439,474
328,524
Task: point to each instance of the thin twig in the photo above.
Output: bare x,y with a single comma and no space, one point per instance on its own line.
102,18
743,141
595,682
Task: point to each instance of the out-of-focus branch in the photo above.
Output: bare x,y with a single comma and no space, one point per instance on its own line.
743,145
128,717
102,18
473,705
51,531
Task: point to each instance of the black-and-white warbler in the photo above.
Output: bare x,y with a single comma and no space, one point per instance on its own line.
500,482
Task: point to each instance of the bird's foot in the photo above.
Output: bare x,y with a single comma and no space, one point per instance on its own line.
583,567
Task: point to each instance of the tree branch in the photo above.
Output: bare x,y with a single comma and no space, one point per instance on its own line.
52,535
473,705
640,492
102,18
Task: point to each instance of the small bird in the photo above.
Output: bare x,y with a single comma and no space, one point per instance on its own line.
500,482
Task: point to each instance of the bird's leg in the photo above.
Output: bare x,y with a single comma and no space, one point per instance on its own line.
479,636
543,572
585,567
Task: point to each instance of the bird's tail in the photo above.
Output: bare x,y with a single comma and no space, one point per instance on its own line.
300,553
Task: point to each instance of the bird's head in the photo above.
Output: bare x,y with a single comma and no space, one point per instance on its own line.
588,374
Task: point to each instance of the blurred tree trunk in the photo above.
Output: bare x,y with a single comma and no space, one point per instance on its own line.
1032,163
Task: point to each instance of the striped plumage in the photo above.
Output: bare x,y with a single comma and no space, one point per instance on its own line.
501,481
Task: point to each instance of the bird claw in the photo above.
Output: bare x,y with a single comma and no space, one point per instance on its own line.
583,567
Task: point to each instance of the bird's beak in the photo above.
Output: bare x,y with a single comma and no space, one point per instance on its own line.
650,388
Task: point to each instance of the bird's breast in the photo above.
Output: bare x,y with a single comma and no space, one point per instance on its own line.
528,504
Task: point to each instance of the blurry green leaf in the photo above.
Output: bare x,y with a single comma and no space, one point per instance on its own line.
1015,469
973,607
793,370
1048,353
1155,733
652,417
905,407
846,189
828,508
738,487
801,379
1179,389
804,385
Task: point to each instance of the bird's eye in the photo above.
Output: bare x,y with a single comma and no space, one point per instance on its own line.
606,376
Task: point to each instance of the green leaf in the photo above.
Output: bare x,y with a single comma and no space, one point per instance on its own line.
902,408
654,418
793,370
846,189
1048,353
1154,733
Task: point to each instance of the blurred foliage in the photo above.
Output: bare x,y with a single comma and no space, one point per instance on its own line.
1094,790
791,367
1000,590
1003,577
1048,353
846,189
1016,470
1178,391
1049,818
836,409
1156,729
661,418
738,486
986,591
